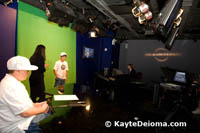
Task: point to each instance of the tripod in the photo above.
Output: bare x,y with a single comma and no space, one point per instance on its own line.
179,113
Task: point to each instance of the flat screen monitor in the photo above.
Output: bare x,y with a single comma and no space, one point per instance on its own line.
180,77
116,72
88,53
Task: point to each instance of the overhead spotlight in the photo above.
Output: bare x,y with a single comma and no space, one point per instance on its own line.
91,19
145,17
178,19
136,12
141,11
167,16
143,8
174,32
168,22
93,34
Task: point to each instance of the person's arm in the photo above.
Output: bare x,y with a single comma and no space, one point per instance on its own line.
66,70
55,73
38,108
66,75
46,66
55,69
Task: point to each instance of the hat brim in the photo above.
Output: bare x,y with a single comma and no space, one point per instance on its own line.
63,55
31,67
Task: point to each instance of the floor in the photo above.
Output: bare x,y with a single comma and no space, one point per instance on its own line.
141,108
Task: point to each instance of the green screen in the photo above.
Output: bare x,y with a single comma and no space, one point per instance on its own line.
34,29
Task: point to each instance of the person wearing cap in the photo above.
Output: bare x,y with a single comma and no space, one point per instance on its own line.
60,71
36,80
18,114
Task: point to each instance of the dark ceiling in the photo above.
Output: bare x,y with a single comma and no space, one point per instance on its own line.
117,16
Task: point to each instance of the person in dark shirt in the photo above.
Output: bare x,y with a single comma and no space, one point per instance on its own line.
131,72
37,86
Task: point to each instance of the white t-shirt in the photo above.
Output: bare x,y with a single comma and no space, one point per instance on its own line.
14,100
61,68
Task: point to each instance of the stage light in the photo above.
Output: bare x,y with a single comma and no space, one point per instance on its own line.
141,11
87,108
144,17
143,8
136,12
168,22
167,16
91,19
93,34
178,19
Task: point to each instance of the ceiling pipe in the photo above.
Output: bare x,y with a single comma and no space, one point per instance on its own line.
102,6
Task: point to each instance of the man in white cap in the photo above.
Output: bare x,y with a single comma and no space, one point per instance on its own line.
17,111
60,71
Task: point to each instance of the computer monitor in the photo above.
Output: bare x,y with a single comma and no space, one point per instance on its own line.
116,72
180,77
88,53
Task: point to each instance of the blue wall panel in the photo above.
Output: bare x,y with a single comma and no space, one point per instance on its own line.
102,57
7,36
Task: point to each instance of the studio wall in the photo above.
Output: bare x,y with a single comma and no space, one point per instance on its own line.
136,51
34,29
7,36
102,57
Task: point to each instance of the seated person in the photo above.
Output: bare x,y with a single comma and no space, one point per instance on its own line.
18,114
132,72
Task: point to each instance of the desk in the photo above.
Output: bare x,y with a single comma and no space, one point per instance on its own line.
119,88
102,77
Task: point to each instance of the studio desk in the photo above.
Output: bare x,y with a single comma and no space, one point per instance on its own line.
119,88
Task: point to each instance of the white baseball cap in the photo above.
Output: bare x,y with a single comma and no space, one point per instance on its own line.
63,54
20,63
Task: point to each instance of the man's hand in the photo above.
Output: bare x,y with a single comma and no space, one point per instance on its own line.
43,106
